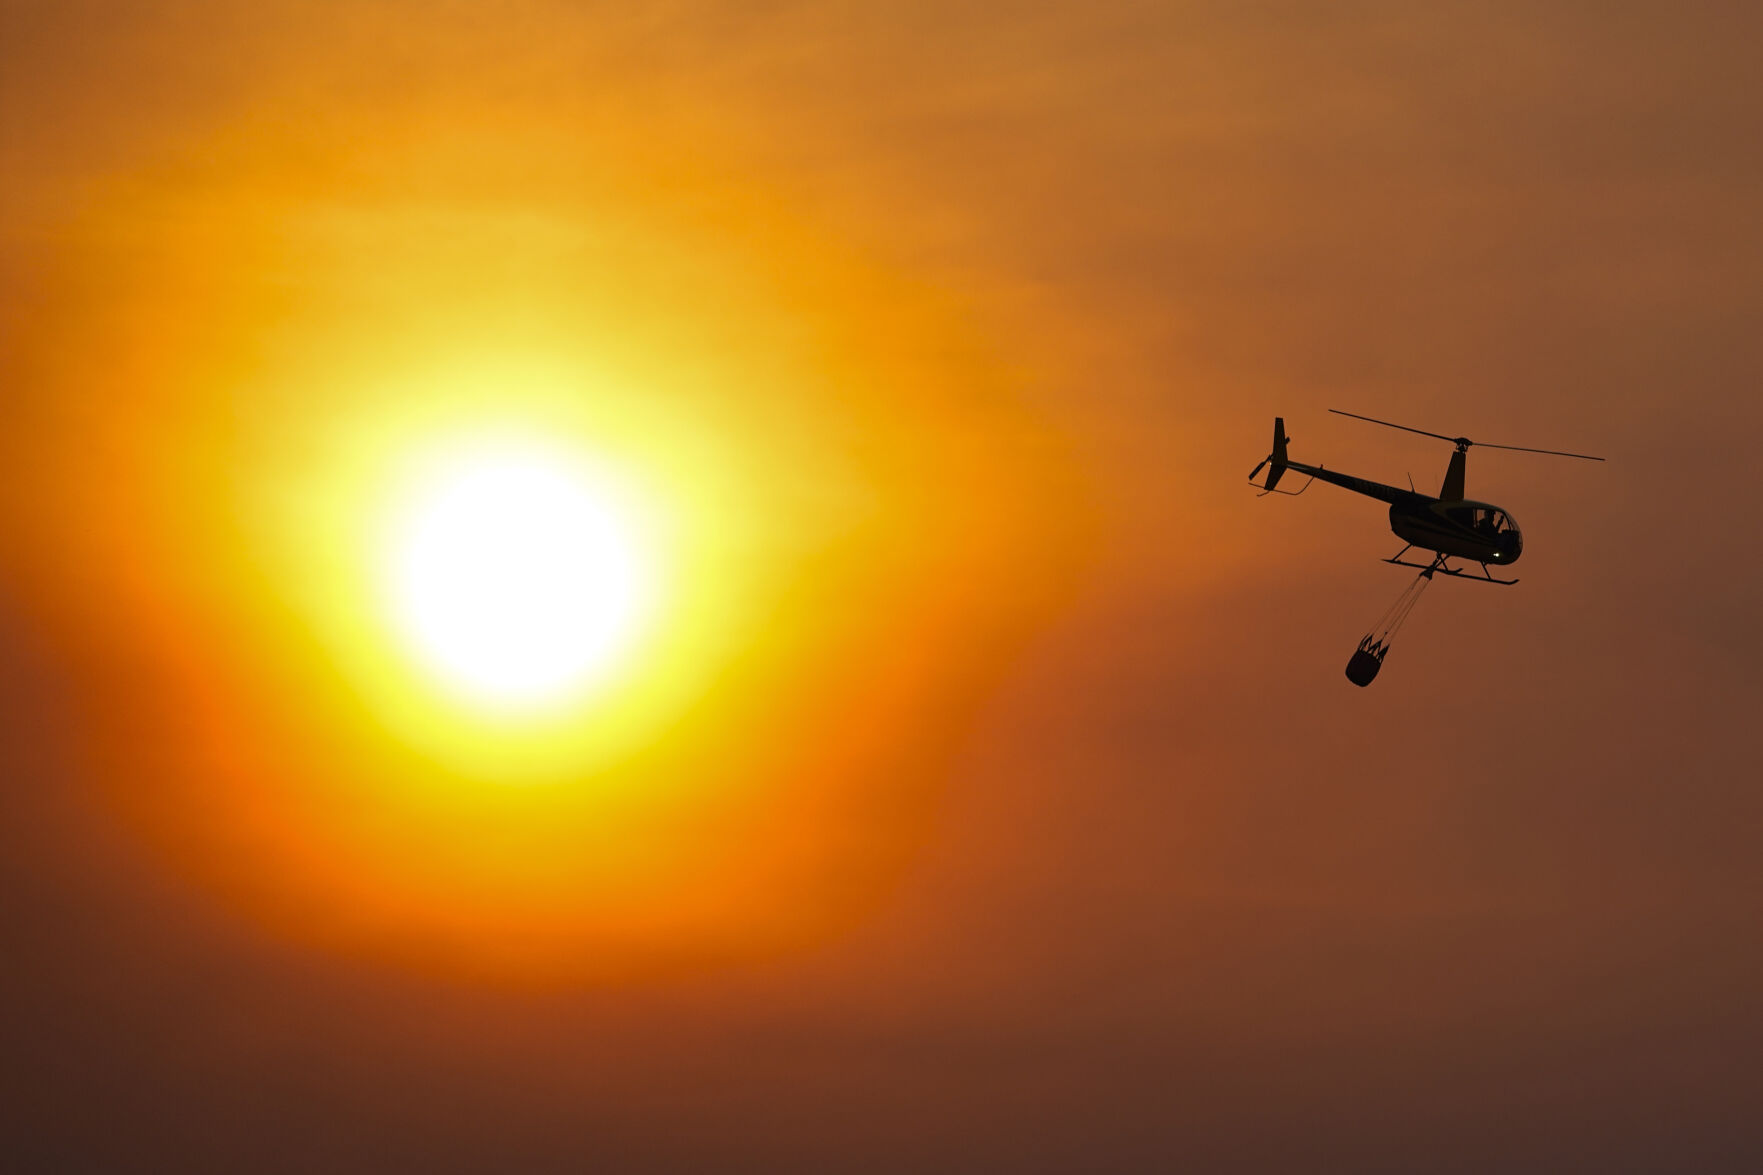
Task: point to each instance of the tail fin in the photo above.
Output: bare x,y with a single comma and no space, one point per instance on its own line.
1277,459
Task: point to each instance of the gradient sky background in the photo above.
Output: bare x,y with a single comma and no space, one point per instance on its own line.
1014,813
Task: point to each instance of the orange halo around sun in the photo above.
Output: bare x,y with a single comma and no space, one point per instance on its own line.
697,545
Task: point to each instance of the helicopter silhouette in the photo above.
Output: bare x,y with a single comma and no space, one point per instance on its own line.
1449,526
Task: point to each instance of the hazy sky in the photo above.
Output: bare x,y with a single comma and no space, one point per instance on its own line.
995,800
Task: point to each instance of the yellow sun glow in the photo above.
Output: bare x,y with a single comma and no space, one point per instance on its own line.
515,579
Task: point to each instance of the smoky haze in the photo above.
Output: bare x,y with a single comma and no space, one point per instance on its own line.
1171,890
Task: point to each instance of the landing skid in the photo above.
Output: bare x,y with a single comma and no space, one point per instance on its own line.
1441,567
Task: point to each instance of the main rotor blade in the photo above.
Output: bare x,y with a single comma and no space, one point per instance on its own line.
1465,441
1403,427
1550,452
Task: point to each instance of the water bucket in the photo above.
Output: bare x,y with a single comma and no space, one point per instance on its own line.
1363,667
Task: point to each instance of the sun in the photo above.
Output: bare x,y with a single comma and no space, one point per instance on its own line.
516,576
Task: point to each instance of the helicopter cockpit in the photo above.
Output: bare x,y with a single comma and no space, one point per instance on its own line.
1490,524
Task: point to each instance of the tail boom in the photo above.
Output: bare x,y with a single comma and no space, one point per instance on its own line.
1277,462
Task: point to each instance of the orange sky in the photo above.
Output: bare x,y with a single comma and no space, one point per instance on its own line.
995,799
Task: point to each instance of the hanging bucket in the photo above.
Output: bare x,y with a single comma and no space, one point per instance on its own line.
1374,646
1364,664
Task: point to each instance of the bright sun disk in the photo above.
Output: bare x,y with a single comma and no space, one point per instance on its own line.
516,578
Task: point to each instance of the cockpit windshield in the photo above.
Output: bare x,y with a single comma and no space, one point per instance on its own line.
1484,520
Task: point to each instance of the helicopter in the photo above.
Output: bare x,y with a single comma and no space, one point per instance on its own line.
1450,525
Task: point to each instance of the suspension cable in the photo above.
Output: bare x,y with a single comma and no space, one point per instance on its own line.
1383,632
